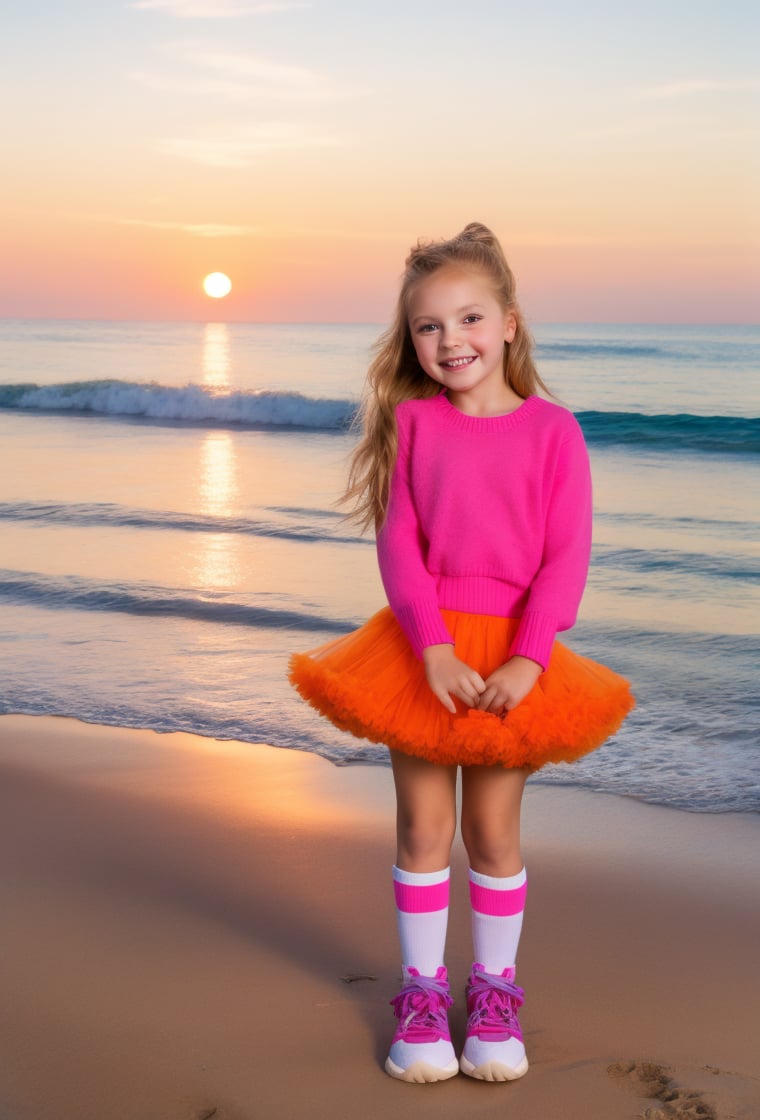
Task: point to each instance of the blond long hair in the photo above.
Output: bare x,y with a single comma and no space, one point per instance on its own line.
395,374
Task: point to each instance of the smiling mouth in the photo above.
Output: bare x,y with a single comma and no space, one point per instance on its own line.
458,363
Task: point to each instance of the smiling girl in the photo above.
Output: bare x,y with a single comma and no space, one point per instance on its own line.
480,494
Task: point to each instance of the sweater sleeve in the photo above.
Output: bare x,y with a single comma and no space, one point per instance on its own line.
401,554
556,591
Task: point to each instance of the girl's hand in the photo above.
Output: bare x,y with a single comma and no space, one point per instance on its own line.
448,676
509,684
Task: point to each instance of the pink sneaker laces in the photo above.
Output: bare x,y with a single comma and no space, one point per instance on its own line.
492,1004
421,1007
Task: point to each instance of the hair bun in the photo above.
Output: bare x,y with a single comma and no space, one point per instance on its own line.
476,231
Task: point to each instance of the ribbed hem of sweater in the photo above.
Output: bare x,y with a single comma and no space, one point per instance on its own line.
480,594
423,625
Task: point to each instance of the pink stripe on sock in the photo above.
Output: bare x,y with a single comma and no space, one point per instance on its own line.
500,903
421,900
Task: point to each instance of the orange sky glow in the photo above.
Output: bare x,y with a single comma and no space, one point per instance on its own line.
302,148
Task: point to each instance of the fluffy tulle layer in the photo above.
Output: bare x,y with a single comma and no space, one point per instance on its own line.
370,684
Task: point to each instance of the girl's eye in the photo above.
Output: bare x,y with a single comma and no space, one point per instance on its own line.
427,328
472,318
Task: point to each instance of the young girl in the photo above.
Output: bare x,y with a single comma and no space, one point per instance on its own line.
480,493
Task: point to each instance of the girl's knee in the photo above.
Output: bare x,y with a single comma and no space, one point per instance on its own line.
492,851
425,839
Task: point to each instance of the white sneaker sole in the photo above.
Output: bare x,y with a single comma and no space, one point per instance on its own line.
421,1073
493,1070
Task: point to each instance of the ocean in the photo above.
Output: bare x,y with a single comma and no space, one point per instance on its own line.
169,534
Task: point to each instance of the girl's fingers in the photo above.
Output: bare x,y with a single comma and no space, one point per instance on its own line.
485,698
468,689
471,691
447,702
492,701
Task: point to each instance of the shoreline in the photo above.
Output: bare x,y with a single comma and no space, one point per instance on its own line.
198,924
363,787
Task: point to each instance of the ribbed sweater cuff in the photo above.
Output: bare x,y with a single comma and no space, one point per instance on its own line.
535,637
423,626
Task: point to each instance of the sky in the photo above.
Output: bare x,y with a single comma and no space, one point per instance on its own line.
302,148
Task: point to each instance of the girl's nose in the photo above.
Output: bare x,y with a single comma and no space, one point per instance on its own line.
450,338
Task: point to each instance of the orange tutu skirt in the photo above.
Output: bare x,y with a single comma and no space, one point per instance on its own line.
371,684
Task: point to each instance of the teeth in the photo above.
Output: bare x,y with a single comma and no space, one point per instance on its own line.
454,363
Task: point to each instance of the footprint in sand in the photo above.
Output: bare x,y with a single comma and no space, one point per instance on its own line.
648,1079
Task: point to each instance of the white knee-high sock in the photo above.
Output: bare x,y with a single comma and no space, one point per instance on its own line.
497,916
422,906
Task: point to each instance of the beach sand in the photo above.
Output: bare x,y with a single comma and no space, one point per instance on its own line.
197,929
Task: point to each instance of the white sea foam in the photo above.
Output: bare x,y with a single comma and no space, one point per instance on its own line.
190,404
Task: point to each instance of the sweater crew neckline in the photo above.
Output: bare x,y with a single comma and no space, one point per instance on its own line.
502,423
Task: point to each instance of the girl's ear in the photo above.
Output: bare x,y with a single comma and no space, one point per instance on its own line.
510,326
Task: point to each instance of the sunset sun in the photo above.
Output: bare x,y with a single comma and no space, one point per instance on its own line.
217,285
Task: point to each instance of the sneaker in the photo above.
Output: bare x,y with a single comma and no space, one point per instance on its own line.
493,1049
421,1049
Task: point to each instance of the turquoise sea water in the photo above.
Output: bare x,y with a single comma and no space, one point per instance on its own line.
169,534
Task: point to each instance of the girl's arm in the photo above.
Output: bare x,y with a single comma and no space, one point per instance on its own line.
401,554
557,588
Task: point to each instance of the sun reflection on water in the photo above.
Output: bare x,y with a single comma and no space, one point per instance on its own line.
216,561
215,359
217,558
218,483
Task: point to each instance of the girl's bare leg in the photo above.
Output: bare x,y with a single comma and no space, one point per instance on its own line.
425,812
491,801
421,1049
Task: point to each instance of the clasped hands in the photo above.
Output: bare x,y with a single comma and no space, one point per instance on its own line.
500,692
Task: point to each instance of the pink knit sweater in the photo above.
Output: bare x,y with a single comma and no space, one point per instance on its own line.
490,515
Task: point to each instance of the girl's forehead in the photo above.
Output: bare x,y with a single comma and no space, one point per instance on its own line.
451,283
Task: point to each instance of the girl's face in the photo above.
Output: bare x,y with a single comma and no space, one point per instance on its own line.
459,328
